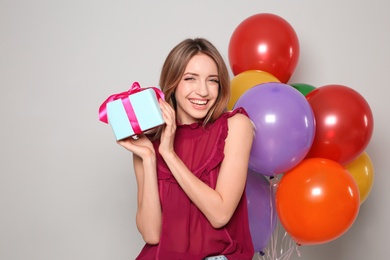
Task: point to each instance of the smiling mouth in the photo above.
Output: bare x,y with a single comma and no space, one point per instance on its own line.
199,102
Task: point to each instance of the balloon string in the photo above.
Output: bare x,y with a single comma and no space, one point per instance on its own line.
272,224
281,246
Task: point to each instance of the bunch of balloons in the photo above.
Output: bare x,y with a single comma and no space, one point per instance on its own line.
314,137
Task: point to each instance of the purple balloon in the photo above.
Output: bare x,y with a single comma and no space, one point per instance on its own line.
285,126
261,209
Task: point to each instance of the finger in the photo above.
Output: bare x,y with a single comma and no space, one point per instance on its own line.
168,112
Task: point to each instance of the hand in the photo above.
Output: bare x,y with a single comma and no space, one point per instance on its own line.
168,133
142,146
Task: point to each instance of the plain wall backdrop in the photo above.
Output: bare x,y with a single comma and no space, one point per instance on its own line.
67,190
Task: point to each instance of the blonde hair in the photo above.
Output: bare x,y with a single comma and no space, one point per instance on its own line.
175,65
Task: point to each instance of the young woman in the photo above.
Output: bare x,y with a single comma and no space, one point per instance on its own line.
191,172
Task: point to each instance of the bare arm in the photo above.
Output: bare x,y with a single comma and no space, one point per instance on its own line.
218,205
148,217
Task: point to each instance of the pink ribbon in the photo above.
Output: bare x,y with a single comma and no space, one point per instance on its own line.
127,105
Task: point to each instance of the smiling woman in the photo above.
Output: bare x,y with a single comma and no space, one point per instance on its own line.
197,92
191,172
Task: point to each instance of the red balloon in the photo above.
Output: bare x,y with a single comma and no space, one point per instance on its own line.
317,201
264,42
344,123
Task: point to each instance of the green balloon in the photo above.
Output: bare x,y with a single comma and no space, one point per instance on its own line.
303,88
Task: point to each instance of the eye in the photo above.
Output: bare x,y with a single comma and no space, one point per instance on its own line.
214,80
188,78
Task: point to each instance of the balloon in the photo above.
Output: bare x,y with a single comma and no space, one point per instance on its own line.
261,209
362,171
344,123
245,80
264,42
303,88
317,201
284,126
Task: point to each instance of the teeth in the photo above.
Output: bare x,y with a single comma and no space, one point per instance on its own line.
199,102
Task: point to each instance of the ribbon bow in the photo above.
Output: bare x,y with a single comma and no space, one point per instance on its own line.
126,103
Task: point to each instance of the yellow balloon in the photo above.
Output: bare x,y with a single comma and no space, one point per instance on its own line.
362,171
245,80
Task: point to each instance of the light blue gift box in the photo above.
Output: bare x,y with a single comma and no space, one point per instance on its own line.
146,109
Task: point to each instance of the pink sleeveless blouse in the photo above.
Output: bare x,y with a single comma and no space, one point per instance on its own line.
186,233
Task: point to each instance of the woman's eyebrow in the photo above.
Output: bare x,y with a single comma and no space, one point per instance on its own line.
191,73
196,74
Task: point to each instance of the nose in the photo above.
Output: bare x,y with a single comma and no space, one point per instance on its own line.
202,89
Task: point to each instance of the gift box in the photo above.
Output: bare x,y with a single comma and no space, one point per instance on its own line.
132,112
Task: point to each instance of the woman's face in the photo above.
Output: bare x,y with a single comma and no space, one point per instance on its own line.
197,90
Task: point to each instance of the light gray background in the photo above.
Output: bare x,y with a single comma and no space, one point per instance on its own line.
67,190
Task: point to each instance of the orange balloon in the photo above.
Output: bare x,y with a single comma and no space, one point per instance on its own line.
246,80
317,201
362,171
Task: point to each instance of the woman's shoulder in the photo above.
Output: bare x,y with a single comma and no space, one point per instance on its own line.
239,119
238,116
